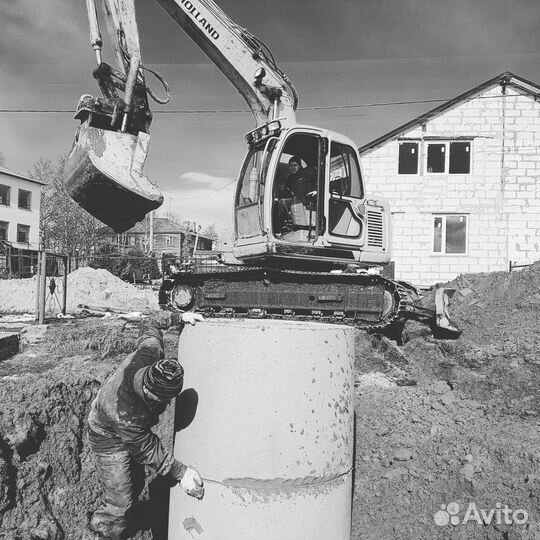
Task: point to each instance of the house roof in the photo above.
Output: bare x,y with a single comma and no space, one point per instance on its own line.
161,226
9,172
504,79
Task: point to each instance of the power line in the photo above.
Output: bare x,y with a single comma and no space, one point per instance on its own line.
209,192
242,111
206,194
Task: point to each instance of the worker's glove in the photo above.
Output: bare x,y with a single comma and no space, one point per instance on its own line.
166,319
192,483
191,318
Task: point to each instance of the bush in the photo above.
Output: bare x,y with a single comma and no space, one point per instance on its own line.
131,266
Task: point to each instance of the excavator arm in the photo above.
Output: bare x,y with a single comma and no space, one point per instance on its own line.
240,56
103,172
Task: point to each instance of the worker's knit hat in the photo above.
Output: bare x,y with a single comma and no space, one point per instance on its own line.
164,378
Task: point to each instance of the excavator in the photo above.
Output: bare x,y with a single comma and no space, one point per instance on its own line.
298,254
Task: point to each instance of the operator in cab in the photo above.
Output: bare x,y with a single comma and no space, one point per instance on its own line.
119,427
300,185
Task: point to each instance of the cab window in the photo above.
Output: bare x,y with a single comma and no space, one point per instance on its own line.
345,175
253,176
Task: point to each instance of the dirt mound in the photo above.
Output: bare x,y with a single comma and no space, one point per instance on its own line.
100,288
87,286
497,306
458,431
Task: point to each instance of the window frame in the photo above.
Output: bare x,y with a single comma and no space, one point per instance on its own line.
28,194
447,146
418,160
349,164
27,229
444,216
6,228
8,197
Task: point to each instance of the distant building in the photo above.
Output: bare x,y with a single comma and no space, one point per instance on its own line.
20,199
169,237
463,181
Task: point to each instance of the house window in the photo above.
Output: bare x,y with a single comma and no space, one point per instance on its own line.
4,194
25,199
460,158
23,234
450,234
408,158
132,240
451,157
169,241
435,158
4,227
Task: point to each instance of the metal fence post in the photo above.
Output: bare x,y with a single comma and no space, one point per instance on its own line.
64,294
38,284
42,287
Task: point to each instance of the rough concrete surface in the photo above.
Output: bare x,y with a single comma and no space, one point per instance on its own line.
444,429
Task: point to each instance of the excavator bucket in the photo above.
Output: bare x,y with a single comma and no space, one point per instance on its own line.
444,326
103,174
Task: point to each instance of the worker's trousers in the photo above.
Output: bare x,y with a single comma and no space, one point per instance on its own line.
114,469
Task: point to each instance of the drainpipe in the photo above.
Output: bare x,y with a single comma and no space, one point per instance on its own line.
503,169
151,242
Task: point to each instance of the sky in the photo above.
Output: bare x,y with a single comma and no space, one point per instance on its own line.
371,54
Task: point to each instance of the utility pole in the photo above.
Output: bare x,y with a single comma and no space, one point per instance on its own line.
151,242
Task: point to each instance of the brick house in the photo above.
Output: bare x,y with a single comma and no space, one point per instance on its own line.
463,181
20,198
169,237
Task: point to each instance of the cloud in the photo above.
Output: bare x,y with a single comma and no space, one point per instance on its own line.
201,197
215,208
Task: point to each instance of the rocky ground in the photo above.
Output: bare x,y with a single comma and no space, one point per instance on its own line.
447,438
441,422
47,481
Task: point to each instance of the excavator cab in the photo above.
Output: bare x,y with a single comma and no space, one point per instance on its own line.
301,196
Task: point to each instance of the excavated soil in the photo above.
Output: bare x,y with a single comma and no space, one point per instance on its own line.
95,288
444,428
47,480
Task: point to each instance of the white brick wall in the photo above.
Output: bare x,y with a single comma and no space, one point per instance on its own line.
501,195
14,216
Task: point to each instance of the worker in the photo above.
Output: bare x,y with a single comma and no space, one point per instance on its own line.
119,426
300,185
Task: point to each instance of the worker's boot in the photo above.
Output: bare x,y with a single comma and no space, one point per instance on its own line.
99,529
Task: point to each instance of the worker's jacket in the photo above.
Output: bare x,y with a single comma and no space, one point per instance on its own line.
302,183
120,417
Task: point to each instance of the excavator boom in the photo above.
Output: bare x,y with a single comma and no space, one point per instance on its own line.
240,56
103,171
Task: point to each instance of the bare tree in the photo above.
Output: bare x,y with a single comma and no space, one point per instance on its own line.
210,232
64,226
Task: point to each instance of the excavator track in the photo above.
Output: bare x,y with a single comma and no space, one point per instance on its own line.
362,300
